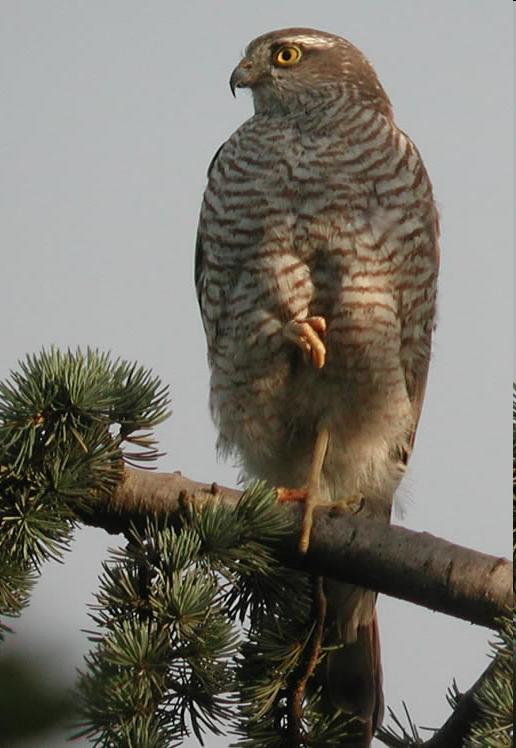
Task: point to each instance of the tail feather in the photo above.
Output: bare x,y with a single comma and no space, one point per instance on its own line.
354,676
351,674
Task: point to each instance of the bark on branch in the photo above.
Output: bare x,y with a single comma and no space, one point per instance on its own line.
413,566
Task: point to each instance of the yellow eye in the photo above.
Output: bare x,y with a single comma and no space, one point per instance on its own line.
287,55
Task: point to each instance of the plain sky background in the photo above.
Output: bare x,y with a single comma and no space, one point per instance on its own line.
111,112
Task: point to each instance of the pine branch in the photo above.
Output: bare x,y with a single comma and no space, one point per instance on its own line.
168,659
493,725
482,716
412,566
66,420
452,733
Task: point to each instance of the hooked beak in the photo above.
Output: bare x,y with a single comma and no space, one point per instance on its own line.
242,76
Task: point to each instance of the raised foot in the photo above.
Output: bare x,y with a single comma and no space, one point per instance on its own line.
306,334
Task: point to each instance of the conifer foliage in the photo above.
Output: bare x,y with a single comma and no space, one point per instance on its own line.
67,423
173,609
198,628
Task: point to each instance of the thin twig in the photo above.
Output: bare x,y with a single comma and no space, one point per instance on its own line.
297,694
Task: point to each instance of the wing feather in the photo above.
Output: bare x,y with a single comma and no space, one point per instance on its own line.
416,375
199,272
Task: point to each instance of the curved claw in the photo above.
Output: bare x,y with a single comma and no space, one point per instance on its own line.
306,334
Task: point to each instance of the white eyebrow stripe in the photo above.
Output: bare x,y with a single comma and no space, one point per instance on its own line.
309,41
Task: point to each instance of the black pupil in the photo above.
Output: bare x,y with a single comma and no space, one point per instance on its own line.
286,54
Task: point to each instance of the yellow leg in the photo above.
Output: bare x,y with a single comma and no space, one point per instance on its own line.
311,494
313,491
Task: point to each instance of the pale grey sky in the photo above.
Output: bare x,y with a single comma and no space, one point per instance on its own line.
111,113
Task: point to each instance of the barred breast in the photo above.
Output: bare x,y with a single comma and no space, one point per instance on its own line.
330,215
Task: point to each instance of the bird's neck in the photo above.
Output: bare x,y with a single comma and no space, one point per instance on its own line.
272,101
313,108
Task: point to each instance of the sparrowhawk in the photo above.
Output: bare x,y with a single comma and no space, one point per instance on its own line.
316,267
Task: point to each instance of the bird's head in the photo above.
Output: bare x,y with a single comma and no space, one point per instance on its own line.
290,69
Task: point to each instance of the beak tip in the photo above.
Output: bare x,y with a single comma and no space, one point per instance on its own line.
233,82
240,77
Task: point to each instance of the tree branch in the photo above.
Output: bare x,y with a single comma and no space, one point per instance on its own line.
412,566
458,725
456,728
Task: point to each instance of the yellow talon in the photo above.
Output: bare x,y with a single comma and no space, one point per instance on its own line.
306,334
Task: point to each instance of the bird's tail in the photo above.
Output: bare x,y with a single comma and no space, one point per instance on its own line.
351,674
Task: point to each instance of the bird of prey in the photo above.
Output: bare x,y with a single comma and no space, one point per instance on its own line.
316,266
